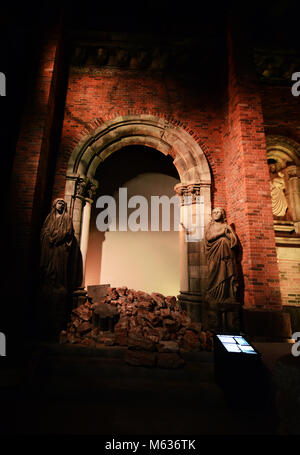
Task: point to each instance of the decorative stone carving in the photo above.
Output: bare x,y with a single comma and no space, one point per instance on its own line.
277,184
152,53
57,246
220,242
293,174
85,188
102,55
80,186
91,190
192,190
275,65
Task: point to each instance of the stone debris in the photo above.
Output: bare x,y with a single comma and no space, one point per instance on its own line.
153,327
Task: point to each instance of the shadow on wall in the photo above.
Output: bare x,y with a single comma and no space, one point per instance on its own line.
240,274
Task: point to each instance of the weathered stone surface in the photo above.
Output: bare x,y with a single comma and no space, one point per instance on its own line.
146,315
122,290
141,295
165,312
191,341
221,242
168,346
84,328
94,334
151,334
106,310
83,311
97,293
63,337
140,343
76,323
146,322
170,324
112,294
140,358
202,338
195,327
108,339
145,304
121,339
130,295
88,342
171,301
159,299
72,338
169,360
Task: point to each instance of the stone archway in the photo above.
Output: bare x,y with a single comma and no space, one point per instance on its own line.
189,160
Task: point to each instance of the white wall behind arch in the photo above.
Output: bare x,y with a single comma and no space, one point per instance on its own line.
146,261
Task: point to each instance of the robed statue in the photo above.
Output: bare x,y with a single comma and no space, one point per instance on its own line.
220,243
60,266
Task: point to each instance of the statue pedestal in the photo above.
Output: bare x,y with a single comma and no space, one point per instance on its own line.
192,304
223,317
79,297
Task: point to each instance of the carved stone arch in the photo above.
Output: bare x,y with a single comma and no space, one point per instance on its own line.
155,132
141,129
283,149
286,152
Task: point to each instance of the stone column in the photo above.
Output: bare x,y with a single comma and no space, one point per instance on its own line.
183,250
85,230
293,195
195,205
80,194
88,189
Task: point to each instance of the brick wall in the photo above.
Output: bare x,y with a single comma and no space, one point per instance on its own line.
281,113
32,178
247,181
289,272
117,92
227,122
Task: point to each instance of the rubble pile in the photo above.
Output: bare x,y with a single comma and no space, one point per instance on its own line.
153,327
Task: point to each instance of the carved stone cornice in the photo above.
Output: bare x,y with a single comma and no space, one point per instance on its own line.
191,190
276,66
107,51
85,189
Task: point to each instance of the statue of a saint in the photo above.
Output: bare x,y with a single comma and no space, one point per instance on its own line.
57,254
279,202
220,241
60,265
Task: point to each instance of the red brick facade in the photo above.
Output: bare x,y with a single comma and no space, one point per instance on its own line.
228,122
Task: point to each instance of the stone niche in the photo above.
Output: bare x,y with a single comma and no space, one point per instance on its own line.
284,166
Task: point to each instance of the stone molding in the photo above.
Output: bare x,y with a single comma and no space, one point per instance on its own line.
102,140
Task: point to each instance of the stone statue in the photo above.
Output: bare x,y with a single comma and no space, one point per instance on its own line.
220,241
57,249
60,265
279,202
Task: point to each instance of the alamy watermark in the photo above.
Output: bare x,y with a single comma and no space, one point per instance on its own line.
2,84
296,86
188,214
296,345
2,345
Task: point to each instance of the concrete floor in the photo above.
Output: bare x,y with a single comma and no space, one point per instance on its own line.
64,390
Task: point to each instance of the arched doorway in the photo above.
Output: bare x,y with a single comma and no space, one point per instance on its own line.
146,258
192,167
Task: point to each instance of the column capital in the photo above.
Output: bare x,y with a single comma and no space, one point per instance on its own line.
190,189
85,189
291,171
